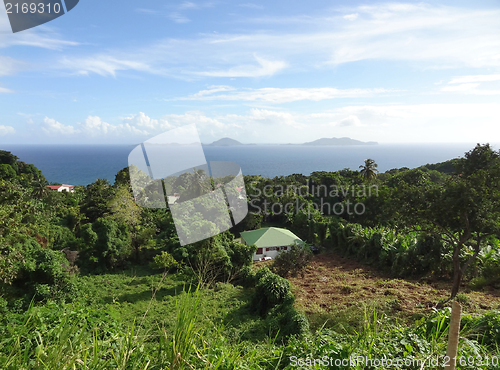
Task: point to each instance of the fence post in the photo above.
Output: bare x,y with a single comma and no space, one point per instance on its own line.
453,334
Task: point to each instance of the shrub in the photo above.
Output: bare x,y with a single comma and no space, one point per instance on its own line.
462,298
487,329
246,277
164,261
261,273
219,258
107,242
274,300
270,290
292,262
478,283
491,271
284,321
7,172
43,276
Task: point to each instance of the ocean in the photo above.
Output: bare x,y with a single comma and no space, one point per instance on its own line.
83,164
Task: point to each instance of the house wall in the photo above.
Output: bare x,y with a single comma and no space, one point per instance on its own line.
272,252
66,188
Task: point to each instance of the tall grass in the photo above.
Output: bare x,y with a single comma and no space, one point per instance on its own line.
196,343
178,349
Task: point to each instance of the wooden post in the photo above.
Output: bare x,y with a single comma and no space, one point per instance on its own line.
453,335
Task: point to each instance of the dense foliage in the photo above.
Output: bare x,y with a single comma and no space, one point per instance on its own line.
56,249
293,262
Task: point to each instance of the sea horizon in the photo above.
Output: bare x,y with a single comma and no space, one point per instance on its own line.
82,164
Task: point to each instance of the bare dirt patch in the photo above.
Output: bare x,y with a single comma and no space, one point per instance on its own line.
332,284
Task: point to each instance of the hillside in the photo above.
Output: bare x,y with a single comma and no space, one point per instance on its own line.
334,288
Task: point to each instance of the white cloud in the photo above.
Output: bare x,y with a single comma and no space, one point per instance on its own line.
143,121
475,78
252,6
421,32
9,66
351,17
188,5
270,117
461,88
199,118
6,130
383,123
29,118
212,90
471,88
350,120
32,37
102,65
267,68
94,126
178,18
433,35
4,90
52,127
283,95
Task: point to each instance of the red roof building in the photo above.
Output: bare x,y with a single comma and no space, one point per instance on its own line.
63,187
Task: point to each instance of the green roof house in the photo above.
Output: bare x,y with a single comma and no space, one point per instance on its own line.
270,241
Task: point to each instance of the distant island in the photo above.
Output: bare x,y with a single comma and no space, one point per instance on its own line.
226,141
340,141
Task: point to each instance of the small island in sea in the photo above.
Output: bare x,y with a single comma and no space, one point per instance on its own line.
340,141
226,141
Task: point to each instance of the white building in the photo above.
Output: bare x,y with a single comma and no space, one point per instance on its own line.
63,187
270,241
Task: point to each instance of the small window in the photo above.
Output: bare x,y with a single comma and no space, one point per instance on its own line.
285,248
259,251
267,249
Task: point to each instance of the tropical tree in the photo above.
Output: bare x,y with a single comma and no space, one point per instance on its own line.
123,209
464,210
369,170
7,172
9,158
107,242
97,197
192,185
40,189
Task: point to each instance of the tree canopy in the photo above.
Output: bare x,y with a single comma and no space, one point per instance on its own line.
464,210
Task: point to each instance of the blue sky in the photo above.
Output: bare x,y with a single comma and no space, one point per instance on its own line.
259,72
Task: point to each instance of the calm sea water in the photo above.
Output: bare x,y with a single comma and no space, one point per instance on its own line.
82,165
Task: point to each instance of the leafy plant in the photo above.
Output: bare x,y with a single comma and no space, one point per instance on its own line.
165,261
293,261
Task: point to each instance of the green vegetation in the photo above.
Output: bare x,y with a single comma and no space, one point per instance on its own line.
90,280
293,262
369,170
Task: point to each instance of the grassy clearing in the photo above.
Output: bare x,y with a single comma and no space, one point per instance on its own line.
130,294
215,328
142,319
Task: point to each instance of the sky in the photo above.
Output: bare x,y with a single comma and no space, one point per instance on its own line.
291,71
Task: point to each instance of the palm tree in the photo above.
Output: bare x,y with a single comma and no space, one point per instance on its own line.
369,169
40,189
